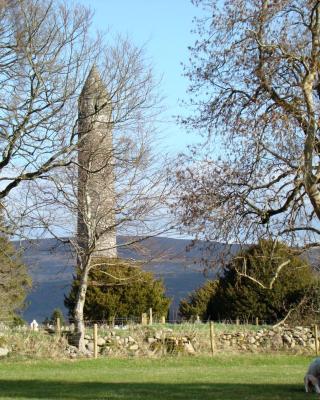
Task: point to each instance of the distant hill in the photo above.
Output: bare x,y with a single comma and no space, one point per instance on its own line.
51,265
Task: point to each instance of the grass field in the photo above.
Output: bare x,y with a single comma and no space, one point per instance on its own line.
241,377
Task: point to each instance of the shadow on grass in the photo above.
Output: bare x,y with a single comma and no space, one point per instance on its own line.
40,389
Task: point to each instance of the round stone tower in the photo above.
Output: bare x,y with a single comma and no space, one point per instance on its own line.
96,196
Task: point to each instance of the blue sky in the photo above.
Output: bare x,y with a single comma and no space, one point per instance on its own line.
163,28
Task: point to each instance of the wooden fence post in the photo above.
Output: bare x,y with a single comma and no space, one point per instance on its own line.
257,321
144,319
150,316
212,337
58,327
316,338
163,337
237,321
95,341
163,319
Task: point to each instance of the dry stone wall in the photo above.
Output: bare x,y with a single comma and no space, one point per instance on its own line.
167,341
156,342
277,339
144,343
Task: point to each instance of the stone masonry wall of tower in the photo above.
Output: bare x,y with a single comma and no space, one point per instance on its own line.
96,195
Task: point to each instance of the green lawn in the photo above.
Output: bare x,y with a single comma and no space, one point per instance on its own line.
243,377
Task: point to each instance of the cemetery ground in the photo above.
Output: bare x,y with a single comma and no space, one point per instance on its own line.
222,377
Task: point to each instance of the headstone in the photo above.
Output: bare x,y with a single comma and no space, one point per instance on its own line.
34,325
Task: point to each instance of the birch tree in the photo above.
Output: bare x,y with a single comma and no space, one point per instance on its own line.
134,203
46,53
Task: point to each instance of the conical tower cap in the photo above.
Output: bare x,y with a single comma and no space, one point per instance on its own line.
94,86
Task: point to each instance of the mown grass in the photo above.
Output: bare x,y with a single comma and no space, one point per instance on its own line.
225,377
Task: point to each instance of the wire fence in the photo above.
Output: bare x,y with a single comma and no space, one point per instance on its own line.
123,323
148,318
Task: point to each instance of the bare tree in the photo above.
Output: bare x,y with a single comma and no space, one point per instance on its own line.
45,54
115,183
255,94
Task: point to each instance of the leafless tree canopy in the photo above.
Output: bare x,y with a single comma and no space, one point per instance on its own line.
140,189
255,92
45,52
114,137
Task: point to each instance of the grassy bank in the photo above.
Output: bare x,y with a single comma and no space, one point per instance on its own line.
243,377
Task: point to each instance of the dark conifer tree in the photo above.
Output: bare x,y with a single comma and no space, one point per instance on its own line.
118,289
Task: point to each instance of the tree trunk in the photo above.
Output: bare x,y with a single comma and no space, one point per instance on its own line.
78,337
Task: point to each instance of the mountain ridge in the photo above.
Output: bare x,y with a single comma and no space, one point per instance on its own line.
51,264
